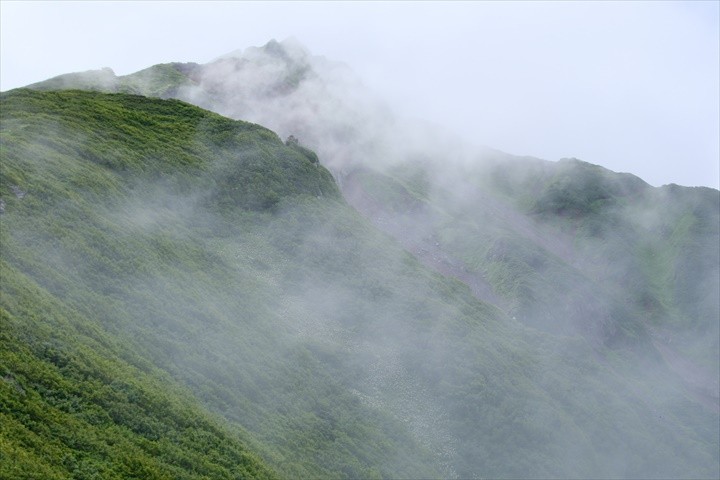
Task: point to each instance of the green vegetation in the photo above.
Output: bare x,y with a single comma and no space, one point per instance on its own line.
183,295
573,249
539,231
78,403
157,81
121,233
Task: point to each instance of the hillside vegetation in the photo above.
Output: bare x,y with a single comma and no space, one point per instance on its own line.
537,231
144,225
226,267
77,397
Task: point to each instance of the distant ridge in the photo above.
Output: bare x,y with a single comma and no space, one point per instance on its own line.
426,310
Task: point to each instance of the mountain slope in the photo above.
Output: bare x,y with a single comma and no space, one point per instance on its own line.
573,214
77,400
76,403
119,216
568,248
296,320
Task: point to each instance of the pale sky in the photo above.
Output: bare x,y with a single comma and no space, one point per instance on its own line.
634,87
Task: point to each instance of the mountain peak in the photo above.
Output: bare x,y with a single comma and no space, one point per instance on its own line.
274,48
290,50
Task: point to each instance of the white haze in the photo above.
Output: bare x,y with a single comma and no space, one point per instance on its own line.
314,312
630,86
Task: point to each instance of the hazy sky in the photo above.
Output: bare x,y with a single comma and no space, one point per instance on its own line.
631,86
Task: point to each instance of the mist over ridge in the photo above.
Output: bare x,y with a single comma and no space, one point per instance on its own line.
484,315
630,86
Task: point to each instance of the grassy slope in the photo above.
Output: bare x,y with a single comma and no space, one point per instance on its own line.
584,231
657,245
77,400
204,251
572,244
114,229
156,81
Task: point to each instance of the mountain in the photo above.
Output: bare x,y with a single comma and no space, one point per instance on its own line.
281,86
144,226
626,259
80,398
434,310
631,263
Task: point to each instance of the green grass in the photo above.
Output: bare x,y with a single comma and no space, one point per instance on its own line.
141,249
185,296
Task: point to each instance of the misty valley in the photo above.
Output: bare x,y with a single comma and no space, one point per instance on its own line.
253,268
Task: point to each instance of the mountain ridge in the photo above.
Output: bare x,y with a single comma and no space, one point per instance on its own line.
340,300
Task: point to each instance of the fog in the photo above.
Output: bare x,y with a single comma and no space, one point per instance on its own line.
552,335
628,85
462,218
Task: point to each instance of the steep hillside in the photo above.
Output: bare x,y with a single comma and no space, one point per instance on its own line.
77,398
568,248
110,220
279,85
583,216
229,261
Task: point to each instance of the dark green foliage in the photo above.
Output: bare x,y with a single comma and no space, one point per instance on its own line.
76,403
579,190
